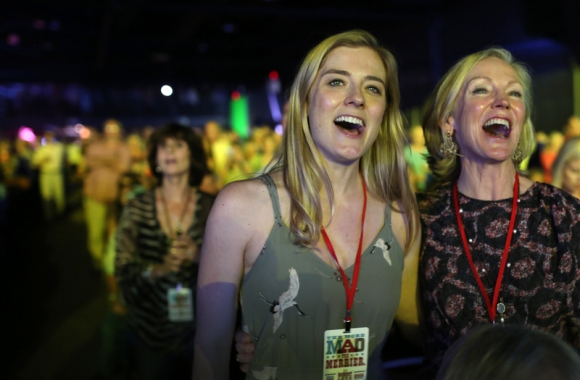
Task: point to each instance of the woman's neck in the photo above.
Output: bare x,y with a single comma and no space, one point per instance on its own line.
174,188
487,182
344,179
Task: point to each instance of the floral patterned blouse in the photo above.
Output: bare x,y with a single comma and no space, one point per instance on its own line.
540,287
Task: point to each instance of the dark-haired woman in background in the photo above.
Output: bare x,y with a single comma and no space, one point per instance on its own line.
158,243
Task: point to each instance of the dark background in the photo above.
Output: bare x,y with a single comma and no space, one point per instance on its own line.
65,62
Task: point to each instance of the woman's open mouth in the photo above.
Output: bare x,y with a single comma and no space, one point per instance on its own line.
497,127
350,124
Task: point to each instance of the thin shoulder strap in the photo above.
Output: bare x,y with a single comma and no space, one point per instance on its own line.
388,212
273,195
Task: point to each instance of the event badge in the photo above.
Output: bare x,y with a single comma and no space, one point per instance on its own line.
180,304
346,354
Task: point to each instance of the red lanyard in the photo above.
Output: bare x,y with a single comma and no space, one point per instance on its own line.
491,307
350,290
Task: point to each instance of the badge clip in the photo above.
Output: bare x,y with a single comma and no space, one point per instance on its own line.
347,322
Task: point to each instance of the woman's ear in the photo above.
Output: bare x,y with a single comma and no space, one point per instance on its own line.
447,125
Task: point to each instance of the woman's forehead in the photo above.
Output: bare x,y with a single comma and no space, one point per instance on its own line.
493,68
171,139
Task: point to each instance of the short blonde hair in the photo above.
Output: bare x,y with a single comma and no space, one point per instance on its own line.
568,152
383,165
443,99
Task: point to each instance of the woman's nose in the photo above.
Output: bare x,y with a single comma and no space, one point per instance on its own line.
502,101
355,97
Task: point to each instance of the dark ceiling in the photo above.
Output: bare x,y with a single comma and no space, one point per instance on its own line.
238,43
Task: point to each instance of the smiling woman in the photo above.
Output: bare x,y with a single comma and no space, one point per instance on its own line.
497,247
158,242
310,275
342,133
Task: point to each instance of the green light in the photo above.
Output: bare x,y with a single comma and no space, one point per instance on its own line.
240,116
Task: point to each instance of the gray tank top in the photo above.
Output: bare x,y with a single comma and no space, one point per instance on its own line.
290,343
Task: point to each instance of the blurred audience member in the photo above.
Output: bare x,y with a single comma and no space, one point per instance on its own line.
106,160
217,147
549,153
572,128
415,155
253,156
74,158
237,167
114,353
5,158
271,143
49,158
491,352
22,162
138,152
532,165
158,243
566,168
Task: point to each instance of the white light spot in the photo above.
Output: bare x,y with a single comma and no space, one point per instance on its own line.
166,90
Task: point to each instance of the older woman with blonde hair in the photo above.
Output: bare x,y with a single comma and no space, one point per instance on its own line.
566,168
316,247
497,248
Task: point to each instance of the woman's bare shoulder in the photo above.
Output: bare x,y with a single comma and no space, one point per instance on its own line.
247,195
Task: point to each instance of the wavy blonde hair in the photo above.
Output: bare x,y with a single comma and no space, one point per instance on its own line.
382,166
568,152
441,104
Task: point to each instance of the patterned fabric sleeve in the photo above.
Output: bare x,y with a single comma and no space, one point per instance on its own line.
566,215
129,267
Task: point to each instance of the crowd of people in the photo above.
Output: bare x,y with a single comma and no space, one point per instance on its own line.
470,218
103,173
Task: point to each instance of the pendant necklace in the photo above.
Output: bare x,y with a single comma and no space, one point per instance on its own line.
495,305
178,231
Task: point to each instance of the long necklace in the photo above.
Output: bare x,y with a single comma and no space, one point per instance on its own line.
493,306
178,231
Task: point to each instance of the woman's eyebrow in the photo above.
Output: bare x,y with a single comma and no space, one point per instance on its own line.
346,73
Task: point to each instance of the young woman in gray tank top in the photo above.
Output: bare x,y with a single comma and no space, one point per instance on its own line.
315,249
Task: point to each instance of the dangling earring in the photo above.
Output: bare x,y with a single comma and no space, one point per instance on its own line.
517,157
448,147
158,169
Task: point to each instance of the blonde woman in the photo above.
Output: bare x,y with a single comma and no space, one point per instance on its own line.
318,245
497,248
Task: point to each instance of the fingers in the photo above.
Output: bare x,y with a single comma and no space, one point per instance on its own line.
184,248
244,349
173,260
244,359
243,338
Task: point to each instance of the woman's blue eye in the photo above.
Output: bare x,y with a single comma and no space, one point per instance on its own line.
516,93
335,82
480,91
375,89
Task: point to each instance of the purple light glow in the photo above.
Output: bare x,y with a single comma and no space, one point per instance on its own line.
26,134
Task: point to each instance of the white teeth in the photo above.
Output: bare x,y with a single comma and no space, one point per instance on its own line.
497,121
349,119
